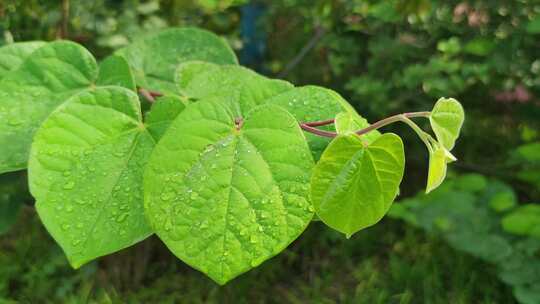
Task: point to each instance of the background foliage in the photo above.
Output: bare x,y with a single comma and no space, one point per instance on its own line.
385,57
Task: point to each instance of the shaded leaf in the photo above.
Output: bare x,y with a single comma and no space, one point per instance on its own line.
114,70
164,111
523,221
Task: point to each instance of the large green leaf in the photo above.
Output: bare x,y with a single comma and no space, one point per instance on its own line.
353,185
13,55
446,120
155,58
85,171
27,95
224,196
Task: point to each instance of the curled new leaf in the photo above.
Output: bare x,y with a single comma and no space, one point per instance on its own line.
353,186
438,160
446,120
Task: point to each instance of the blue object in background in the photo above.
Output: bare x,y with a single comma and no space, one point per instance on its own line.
253,36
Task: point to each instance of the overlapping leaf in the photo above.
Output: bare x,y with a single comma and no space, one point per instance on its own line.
446,120
244,89
45,80
114,70
13,55
85,171
239,87
354,185
226,195
155,58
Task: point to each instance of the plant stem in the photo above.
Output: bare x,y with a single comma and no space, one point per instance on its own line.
149,95
309,126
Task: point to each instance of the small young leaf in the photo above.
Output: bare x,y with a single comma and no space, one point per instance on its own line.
114,70
349,122
446,120
85,171
437,167
226,195
353,186
13,55
154,58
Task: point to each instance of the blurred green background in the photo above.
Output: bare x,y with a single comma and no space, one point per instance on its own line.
474,240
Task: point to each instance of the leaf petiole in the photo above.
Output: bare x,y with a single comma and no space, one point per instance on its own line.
404,117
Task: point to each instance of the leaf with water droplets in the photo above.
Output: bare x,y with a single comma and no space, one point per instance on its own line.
354,185
154,58
30,93
446,120
114,70
13,55
225,195
85,171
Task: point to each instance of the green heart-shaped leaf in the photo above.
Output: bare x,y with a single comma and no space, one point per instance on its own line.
438,160
85,171
44,81
154,58
226,195
13,55
114,70
446,120
353,186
